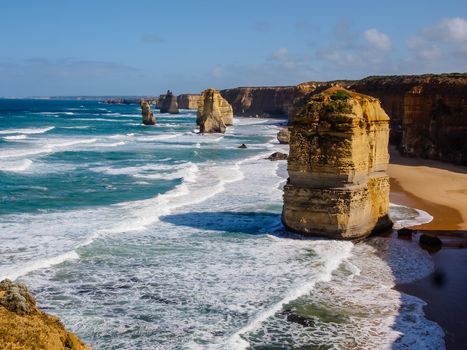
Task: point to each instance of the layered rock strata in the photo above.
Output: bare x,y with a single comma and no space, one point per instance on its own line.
24,326
169,103
188,101
214,112
259,101
146,113
338,186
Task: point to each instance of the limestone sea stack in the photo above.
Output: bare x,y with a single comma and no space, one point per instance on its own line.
169,103
214,112
146,113
188,101
24,326
283,136
338,186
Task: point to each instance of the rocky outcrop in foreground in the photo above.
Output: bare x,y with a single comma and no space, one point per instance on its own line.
146,113
24,326
188,101
214,112
169,103
338,186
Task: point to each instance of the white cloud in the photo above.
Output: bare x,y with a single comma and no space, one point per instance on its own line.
377,39
423,49
450,30
281,54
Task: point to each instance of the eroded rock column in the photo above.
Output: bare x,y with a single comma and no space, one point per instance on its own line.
214,112
338,186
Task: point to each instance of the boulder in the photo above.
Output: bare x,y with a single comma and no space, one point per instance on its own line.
338,186
146,113
214,112
242,146
283,136
24,326
169,104
277,156
429,240
405,232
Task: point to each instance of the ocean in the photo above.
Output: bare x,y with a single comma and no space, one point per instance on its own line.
157,237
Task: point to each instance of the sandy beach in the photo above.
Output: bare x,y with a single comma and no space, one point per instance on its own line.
435,187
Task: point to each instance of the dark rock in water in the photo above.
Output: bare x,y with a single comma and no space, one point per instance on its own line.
169,103
430,241
146,113
242,146
277,156
283,136
405,233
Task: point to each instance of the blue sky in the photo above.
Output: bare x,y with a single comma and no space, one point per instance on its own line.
86,47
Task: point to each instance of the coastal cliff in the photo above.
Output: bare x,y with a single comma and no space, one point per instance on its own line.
428,113
259,101
214,112
188,101
24,326
338,186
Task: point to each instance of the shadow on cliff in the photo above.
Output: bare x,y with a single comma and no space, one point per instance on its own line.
253,223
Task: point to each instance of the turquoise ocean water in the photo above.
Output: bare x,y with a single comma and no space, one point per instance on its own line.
157,237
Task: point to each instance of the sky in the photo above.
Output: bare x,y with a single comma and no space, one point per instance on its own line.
139,47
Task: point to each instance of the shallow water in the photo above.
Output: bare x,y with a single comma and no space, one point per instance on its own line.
156,237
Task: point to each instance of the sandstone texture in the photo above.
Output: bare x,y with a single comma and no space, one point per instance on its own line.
146,113
260,101
168,103
338,186
24,326
277,156
188,101
283,136
214,112
428,113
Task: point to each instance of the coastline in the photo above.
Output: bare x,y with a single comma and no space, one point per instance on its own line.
441,190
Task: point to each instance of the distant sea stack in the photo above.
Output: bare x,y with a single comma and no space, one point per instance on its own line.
188,101
24,326
214,112
169,103
146,113
338,186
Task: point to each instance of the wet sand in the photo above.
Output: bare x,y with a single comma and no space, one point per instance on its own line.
441,190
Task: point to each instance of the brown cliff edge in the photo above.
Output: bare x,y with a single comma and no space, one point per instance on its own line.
24,326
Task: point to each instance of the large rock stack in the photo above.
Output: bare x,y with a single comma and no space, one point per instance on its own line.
169,103
214,112
146,113
338,186
188,101
24,326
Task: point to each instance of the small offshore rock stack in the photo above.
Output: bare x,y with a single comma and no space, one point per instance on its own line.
214,112
24,326
169,103
283,136
146,113
338,186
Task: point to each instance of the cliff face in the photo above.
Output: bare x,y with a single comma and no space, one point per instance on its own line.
24,326
259,101
337,184
169,104
214,112
146,113
428,113
188,101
